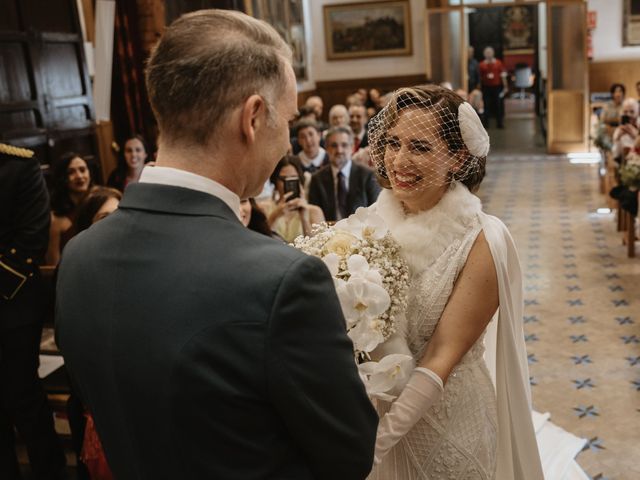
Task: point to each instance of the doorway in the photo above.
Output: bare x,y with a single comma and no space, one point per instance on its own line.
543,47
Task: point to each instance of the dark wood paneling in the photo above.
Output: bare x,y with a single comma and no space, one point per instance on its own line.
61,72
49,15
9,20
336,91
15,82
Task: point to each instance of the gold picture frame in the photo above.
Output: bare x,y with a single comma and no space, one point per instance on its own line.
367,29
631,23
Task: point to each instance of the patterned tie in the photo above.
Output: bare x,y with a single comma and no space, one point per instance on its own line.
342,196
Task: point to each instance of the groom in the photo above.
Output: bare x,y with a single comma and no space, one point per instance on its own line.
202,349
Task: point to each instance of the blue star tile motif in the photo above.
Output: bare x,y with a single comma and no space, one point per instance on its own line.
530,319
577,319
570,275
574,288
534,232
611,276
619,303
534,246
532,381
589,411
532,288
624,320
531,276
572,303
609,265
616,288
599,239
532,266
599,476
581,360
636,384
605,255
535,224
567,239
578,338
586,383
528,303
570,265
531,358
569,247
601,246
633,361
532,337
630,339
569,255
594,444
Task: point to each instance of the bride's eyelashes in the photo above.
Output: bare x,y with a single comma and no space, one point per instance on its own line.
415,146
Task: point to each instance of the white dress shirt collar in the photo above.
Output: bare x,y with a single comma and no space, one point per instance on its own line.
315,161
181,178
346,172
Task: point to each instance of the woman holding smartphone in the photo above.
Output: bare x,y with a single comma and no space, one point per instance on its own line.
288,212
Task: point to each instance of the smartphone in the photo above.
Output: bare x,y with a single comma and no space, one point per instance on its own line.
292,184
624,119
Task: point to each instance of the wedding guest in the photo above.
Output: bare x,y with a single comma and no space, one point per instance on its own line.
342,186
338,115
212,352
493,77
312,156
24,231
71,183
98,204
612,111
288,212
624,136
252,217
130,164
372,104
317,105
358,122
473,70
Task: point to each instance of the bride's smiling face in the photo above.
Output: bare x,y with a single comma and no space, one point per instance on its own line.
417,159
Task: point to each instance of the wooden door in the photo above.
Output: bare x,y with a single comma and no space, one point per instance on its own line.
568,120
45,90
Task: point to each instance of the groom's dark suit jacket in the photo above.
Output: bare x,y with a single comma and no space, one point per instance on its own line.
363,190
207,351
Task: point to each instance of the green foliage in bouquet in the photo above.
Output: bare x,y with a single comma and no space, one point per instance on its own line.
630,175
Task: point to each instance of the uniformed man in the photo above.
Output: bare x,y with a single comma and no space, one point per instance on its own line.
24,234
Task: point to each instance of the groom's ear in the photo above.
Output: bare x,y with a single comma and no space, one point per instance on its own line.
253,116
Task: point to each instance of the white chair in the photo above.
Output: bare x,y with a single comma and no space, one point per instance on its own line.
524,79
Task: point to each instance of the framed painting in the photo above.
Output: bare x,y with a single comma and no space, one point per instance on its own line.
367,29
287,17
631,23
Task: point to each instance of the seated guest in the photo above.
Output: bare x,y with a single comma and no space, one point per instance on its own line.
338,116
317,105
612,111
624,136
130,163
71,183
252,217
288,213
342,186
358,122
312,156
373,102
90,459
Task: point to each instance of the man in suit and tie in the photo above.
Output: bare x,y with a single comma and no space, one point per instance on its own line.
203,349
358,122
342,186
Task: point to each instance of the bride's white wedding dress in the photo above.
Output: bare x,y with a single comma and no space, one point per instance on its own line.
482,427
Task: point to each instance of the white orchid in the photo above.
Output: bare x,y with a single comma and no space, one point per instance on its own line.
386,379
358,267
332,261
362,299
365,223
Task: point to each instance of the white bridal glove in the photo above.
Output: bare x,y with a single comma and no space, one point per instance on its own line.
423,390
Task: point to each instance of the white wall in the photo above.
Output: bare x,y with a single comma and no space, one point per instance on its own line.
607,37
322,70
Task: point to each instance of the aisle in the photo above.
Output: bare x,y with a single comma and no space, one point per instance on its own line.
582,305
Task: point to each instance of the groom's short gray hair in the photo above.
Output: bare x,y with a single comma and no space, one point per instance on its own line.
206,64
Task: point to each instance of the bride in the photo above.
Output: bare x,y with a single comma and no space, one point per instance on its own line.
465,412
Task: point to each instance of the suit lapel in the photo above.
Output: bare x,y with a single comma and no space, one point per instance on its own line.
331,193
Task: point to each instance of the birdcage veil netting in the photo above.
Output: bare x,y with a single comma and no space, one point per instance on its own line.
427,137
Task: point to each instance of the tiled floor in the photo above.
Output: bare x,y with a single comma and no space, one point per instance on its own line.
582,305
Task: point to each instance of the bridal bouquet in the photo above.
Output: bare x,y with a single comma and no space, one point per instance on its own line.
371,280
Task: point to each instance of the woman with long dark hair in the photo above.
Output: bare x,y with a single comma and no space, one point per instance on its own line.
71,183
131,161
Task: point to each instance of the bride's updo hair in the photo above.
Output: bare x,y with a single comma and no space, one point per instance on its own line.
443,104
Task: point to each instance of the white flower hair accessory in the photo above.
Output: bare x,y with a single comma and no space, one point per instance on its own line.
474,135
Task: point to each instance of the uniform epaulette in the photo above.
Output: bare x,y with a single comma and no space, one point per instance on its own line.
16,151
